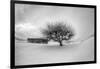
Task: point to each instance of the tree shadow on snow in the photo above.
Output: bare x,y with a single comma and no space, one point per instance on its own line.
61,48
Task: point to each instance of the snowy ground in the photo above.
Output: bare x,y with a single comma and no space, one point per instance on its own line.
30,53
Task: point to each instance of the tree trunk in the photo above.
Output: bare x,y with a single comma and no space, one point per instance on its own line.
60,43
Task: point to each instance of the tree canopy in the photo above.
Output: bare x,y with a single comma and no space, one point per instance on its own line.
58,32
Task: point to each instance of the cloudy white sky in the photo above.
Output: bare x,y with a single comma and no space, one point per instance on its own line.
30,19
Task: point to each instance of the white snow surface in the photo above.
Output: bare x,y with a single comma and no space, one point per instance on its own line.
32,53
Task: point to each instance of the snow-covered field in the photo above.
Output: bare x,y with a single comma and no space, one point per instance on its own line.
31,53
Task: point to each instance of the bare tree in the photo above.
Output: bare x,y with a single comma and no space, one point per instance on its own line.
58,32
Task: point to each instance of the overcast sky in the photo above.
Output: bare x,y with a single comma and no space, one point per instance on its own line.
30,19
